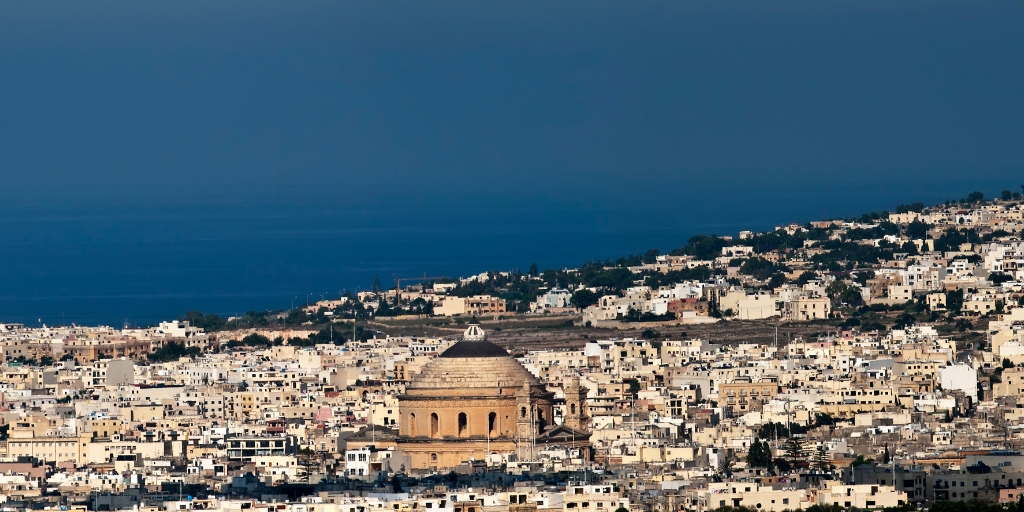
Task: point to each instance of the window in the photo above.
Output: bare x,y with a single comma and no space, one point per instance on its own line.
435,427
412,424
492,423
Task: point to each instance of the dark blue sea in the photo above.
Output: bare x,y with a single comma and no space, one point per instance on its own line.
138,263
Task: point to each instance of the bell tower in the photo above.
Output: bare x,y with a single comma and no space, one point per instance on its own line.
575,404
524,422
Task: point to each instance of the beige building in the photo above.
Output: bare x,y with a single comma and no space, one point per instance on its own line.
53,449
750,495
807,308
744,395
477,305
861,496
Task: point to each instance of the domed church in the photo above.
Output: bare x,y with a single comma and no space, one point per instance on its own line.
475,399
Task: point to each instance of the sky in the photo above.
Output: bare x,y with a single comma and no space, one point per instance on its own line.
647,121
243,100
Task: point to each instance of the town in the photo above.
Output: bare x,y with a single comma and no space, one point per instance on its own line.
903,389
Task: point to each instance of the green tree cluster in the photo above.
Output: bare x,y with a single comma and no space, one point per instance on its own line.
759,455
172,351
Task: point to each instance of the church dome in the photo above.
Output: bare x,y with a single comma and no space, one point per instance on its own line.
473,362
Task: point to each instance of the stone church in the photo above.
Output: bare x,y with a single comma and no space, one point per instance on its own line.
475,399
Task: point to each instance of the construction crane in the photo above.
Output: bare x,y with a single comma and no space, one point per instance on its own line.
398,285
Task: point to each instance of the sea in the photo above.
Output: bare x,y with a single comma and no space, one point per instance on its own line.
132,264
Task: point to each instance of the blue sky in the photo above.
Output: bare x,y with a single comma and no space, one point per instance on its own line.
304,101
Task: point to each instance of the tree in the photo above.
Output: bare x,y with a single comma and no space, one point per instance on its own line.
917,230
840,292
794,450
755,456
583,298
306,464
172,351
759,268
703,247
851,296
252,340
955,301
533,272
634,386
821,460
376,289
773,431
907,208
999,277
1007,195
725,467
759,455
806,277
821,419
778,279
650,334
651,256
905,320
910,248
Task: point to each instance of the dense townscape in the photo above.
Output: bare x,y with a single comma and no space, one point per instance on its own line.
909,394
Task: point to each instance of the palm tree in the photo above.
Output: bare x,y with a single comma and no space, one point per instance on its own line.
725,467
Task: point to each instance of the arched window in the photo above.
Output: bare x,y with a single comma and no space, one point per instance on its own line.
435,425
463,425
412,424
572,408
492,424
541,424
433,457
522,412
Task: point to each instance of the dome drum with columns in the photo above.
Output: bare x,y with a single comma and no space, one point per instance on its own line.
473,400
